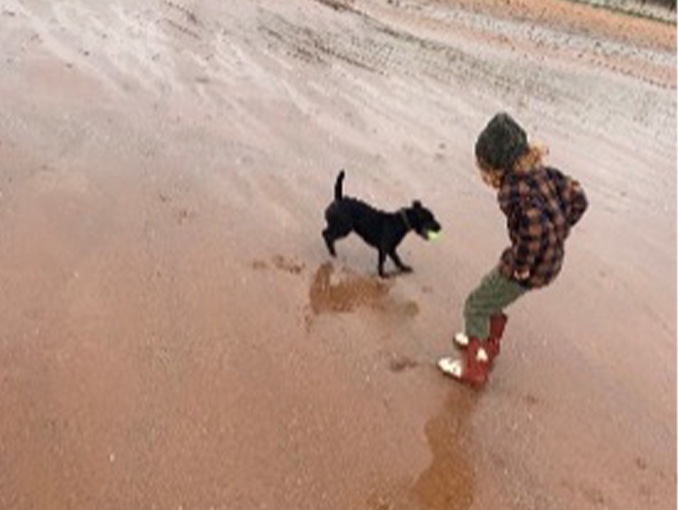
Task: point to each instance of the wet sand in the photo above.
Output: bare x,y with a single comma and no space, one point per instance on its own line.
173,332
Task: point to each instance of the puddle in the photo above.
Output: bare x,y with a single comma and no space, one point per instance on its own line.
449,482
345,291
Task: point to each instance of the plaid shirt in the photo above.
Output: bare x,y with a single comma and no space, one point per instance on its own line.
541,206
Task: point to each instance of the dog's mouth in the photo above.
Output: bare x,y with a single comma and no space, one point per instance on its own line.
430,233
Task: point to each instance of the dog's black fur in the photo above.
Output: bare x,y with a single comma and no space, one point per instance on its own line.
382,230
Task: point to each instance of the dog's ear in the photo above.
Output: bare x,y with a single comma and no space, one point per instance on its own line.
416,204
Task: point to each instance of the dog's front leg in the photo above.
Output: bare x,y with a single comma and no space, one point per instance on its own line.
380,265
399,263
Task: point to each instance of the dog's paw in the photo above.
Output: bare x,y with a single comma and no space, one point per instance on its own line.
406,269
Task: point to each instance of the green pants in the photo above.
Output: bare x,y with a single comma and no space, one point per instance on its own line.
494,293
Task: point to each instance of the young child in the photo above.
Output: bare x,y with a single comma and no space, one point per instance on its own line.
541,206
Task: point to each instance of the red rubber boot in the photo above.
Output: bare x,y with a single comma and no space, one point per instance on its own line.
497,325
474,368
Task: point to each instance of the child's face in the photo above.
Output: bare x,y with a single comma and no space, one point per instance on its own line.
490,176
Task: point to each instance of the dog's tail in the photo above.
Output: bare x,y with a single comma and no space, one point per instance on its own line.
339,185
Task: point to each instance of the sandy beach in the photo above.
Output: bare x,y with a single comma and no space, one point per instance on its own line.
174,334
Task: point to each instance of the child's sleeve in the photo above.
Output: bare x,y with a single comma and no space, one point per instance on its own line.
576,197
572,196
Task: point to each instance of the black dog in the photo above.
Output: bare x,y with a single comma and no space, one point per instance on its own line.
379,229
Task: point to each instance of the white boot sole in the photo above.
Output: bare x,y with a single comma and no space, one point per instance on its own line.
452,367
461,340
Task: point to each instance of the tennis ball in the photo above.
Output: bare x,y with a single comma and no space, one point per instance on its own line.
432,235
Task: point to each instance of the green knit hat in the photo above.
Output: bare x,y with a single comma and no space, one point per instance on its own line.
501,143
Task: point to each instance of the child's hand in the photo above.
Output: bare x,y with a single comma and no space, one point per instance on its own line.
521,275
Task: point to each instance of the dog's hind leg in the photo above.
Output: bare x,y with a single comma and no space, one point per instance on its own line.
329,241
337,227
333,232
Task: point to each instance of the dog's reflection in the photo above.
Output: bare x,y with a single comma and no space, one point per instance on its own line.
346,291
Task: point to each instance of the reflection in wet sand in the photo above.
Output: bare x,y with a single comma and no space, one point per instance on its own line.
347,291
449,482
345,295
